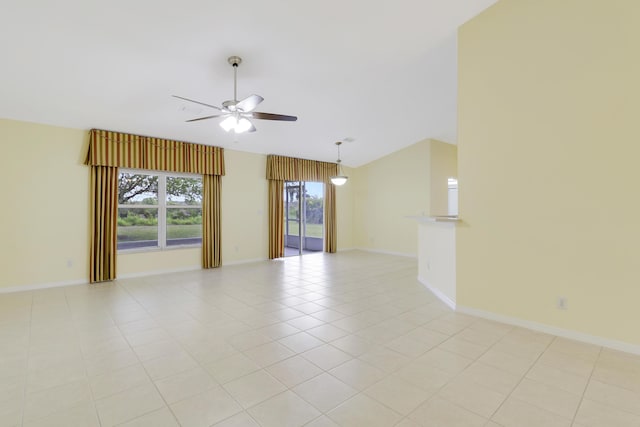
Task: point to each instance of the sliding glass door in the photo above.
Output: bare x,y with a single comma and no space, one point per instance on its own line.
303,217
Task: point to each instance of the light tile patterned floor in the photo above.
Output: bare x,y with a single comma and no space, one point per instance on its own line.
349,339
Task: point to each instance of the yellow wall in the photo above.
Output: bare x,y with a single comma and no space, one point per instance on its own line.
44,219
245,216
385,192
444,165
244,222
158,261
549,143
344,211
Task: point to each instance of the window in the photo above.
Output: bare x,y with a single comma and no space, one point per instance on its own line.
303,217
452,186
158,210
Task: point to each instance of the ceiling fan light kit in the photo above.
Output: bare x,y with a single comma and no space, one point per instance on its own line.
238,125
236,113
341,178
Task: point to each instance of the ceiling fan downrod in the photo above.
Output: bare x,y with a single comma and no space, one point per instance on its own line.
235,61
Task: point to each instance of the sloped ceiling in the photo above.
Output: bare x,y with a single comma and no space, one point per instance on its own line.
381,73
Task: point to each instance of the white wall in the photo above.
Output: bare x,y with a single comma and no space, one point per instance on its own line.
437,258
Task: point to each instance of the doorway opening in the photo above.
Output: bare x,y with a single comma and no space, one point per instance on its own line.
303,217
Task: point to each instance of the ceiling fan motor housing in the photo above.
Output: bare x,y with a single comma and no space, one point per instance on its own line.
229,105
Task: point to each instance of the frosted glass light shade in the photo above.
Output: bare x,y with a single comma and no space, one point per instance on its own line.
339,180
229,123
243,125
237,125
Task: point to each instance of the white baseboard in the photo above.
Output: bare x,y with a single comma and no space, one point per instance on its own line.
438,293
381,251
244,261
157,272
39,286
553,330
192,268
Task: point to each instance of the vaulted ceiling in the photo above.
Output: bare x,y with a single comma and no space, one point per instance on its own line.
380,73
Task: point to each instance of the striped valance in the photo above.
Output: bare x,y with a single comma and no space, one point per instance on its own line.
125,150
283,168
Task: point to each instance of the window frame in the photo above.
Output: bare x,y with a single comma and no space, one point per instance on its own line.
162,207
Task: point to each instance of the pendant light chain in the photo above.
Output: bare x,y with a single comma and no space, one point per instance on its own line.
340,179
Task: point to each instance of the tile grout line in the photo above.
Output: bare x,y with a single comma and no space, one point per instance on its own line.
406,417
524,376
118,325
435,394
584,391
86,371
364,297
26,374
243,409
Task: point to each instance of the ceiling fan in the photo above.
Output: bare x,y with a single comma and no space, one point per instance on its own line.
237,113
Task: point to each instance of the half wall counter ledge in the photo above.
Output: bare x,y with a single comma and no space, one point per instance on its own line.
437,255
435,218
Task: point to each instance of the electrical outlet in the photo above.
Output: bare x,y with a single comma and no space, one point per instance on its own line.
562,303
69,263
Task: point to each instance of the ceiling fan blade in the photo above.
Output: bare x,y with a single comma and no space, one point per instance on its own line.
204,118
249,103
269,116
197,102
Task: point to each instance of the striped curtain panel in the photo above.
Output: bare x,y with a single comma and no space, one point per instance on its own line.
104,223
330,228
276,219
109,151
280,169
211,221
124,150
292,169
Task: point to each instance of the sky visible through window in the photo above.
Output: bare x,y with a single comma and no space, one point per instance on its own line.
314,189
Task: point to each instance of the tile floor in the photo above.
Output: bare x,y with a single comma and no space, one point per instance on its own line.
349,339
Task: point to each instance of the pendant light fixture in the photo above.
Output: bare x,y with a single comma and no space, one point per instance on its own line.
341,178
